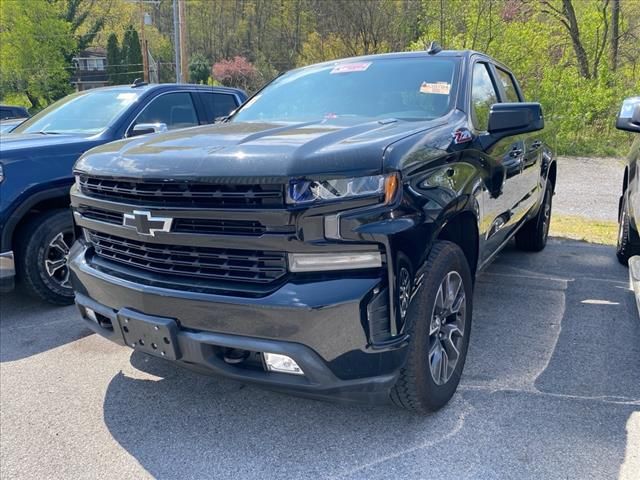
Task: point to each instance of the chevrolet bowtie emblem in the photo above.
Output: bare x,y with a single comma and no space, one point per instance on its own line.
145,224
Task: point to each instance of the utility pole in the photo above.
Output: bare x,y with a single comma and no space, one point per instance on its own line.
176,41
184,61
143,41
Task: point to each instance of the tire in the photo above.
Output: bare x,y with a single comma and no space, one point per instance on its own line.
421,387
44,244
532,237
628,243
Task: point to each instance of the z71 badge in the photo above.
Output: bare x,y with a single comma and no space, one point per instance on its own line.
462,135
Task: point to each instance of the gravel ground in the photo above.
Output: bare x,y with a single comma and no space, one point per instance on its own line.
589,187
551,390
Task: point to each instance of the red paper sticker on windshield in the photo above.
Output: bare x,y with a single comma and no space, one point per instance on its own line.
440,88
351,67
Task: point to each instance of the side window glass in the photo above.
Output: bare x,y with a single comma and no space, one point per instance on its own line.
483,95
176,110
218,105
509,86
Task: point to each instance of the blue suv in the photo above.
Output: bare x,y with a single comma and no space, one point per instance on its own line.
36,160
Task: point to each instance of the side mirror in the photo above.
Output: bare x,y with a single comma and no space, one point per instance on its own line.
506,119
146,128
629,116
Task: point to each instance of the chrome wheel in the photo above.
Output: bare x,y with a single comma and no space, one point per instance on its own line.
55,258
447,328
404,291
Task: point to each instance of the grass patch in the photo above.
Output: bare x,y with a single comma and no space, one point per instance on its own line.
580,228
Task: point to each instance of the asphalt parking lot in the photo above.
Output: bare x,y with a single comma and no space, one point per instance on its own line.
574,198
551,390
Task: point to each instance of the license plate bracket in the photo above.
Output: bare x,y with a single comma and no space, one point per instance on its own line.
156,336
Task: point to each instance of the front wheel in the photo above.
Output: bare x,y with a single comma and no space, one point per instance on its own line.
532,237
44,246
439,319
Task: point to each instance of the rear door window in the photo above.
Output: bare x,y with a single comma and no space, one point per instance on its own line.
218,105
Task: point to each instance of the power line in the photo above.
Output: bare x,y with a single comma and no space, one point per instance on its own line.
75,68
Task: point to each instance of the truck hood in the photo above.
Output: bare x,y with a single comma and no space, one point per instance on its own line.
265,150
16,146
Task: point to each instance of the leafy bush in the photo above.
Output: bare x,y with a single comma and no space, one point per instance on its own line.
237,72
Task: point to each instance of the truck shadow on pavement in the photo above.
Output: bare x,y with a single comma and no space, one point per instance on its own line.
29,326
549,388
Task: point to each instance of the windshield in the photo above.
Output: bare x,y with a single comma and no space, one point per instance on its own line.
86,113
415,88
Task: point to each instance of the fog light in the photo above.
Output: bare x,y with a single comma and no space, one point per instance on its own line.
322,262
91,315
281,363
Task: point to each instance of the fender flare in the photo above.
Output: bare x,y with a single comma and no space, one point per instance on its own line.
23,209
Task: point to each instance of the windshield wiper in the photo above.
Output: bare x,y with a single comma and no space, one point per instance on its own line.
43,132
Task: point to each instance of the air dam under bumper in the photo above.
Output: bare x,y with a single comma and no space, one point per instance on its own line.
318,324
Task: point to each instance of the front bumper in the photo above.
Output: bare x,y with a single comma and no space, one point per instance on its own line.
321,324
7,271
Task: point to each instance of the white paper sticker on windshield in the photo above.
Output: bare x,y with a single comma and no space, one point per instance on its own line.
351,67
439,88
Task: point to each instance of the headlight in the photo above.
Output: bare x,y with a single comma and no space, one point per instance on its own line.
308,191
1,173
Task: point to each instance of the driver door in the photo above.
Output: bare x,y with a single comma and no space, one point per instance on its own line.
501,202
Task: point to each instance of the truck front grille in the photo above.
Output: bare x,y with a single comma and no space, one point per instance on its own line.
183,193
101,215
229,265
202,226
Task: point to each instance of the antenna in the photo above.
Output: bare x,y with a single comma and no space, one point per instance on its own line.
434,47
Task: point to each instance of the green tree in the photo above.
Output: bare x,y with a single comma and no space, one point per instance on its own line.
84,23
131,57
35,42
199,68
113,59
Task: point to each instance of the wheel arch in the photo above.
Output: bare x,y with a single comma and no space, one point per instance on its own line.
42,201
462,229
553,174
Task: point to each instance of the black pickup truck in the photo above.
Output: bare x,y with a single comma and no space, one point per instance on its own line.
325,239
